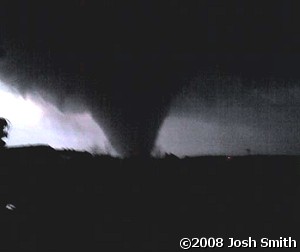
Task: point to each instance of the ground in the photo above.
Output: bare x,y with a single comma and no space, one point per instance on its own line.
73,201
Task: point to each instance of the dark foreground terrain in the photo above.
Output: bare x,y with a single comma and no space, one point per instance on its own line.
72,201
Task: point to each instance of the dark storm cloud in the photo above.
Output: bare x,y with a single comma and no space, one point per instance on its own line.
125,62
207,94
233,116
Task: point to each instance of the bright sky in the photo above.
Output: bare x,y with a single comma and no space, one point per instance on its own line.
34,121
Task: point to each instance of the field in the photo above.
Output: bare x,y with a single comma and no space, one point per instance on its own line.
73,201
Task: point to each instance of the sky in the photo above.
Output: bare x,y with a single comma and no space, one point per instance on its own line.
264,118
194,126
191,78
34,121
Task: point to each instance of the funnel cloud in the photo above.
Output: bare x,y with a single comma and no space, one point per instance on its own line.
126,63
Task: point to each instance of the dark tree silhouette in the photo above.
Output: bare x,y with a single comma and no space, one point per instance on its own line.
4,125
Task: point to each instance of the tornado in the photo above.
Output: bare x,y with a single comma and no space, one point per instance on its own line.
125,62
129,103
82,56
